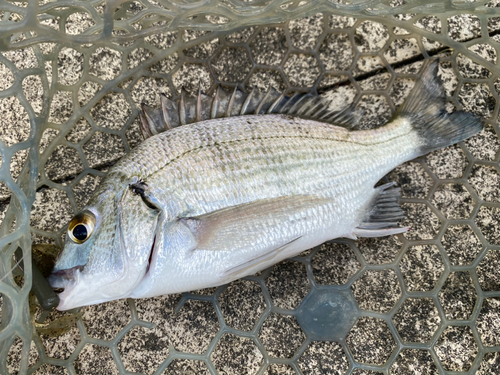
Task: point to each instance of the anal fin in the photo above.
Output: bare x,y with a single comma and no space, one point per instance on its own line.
383,217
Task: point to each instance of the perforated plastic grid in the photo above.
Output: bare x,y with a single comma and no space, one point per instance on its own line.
424,302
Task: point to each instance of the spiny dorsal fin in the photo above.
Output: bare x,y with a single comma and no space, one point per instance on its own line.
187,109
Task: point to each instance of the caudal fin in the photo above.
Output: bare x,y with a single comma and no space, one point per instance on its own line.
425,108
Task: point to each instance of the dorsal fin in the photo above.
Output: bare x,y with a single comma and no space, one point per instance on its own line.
187,109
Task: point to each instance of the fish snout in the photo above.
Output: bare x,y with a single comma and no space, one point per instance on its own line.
61,278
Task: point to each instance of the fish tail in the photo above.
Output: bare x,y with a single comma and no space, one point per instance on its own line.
425,108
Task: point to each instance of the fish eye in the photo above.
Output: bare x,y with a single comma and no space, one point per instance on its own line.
81,227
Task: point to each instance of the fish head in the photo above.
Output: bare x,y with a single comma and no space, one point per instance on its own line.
107,248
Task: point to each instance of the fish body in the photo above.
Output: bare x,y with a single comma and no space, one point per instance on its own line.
206,203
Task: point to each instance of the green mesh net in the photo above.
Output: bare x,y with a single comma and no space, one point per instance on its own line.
72,77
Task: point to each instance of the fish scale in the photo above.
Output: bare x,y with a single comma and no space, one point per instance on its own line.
202,204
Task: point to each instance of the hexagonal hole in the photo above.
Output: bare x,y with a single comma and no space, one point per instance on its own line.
401,49
413,180
447,163
52,370
304,32
486,180
61,108
487,271
51,210
63,162
490,364
17,162
458,296
340,22
377,290
83,189
112,111
95,359
193,328
488,322
240,36
453,200
147,90
104,321
6,77
190,75
485,145
376,111
281,335
70,66
378,82
288,284
242,304
414,361
103,148
143,350
470,69
336,52
417,320
34,92
263,79
302,70
464,27
323,358
203,50
186,366
424,223
105,63
138,56
366,64
487,219
334,264
456,348
421,266
162,40
477,99
232,65
166,65
88,90
78,22
269,46
236,355
379,250
429,23
370,341
461,244
371,36
401,87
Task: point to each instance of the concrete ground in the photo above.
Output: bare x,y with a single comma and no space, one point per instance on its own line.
425,302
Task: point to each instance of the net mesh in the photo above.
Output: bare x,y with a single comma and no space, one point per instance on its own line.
72,77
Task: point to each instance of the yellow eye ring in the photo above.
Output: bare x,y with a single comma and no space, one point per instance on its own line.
81,227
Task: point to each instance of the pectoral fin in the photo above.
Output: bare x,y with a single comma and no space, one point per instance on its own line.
264,225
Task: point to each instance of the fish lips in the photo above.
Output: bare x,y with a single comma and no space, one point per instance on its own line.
64,278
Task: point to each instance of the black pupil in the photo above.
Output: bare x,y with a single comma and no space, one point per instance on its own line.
80,232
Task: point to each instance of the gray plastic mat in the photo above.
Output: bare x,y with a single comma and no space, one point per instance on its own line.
72,77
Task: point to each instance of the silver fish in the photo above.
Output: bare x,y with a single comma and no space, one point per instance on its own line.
203,204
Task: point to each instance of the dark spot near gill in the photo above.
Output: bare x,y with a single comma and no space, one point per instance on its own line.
139,188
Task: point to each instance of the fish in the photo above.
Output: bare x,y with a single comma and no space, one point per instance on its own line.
238,188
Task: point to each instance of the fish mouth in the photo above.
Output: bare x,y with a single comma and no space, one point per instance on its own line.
64,278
